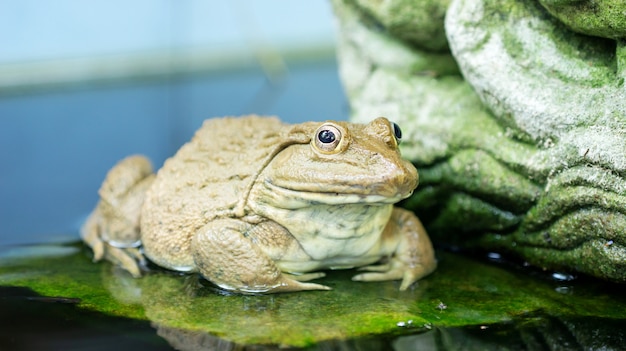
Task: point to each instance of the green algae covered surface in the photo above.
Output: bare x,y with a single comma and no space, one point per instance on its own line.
462,292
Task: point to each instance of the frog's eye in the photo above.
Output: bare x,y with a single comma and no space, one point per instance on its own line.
327,138
397,132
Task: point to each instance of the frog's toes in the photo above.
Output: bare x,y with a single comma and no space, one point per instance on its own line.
395,272
130,259
97,246
89,234
305,277
378,276
282,284
287,285
376,268
416,273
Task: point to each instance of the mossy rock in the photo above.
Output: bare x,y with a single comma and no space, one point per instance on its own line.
418,23
606,18
525,152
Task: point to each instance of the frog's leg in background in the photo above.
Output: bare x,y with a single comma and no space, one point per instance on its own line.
112,229
414,257
226,255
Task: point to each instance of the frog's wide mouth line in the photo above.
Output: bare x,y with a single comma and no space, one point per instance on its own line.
297,198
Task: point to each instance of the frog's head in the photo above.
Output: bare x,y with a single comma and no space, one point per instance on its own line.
339,163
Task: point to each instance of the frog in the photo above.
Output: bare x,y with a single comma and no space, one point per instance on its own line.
256,205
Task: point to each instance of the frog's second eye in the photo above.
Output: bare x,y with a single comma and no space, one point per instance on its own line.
397,132
327,138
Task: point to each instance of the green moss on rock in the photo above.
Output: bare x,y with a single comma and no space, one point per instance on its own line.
526,152
606,18
419,23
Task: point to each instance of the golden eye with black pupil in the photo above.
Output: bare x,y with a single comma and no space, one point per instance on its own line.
327,138
397,132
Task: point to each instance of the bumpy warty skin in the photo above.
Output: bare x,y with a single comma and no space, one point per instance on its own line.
255,205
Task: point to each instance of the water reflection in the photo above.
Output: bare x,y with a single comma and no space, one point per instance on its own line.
533,332
538,331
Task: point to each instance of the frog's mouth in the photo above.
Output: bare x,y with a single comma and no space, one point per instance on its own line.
292,198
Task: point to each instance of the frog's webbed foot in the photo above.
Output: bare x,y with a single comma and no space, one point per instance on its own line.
392,270
129,258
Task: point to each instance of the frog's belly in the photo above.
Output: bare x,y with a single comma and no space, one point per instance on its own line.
333,236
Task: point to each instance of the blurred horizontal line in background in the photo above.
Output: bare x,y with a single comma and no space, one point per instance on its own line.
30,76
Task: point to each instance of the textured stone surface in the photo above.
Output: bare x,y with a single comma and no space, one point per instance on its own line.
527,153
536,75
604,18
419,23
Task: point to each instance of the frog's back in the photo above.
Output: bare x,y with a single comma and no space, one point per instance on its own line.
206,179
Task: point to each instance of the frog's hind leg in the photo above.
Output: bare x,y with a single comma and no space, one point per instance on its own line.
112,229
226,256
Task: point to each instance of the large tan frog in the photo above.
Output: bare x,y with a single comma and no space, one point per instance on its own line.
255,205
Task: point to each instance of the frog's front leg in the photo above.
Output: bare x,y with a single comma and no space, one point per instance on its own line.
414,256
227,253
112,229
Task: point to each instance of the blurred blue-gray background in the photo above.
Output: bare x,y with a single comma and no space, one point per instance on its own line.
84,84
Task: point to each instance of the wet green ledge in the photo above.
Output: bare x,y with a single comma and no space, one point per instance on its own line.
462,292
